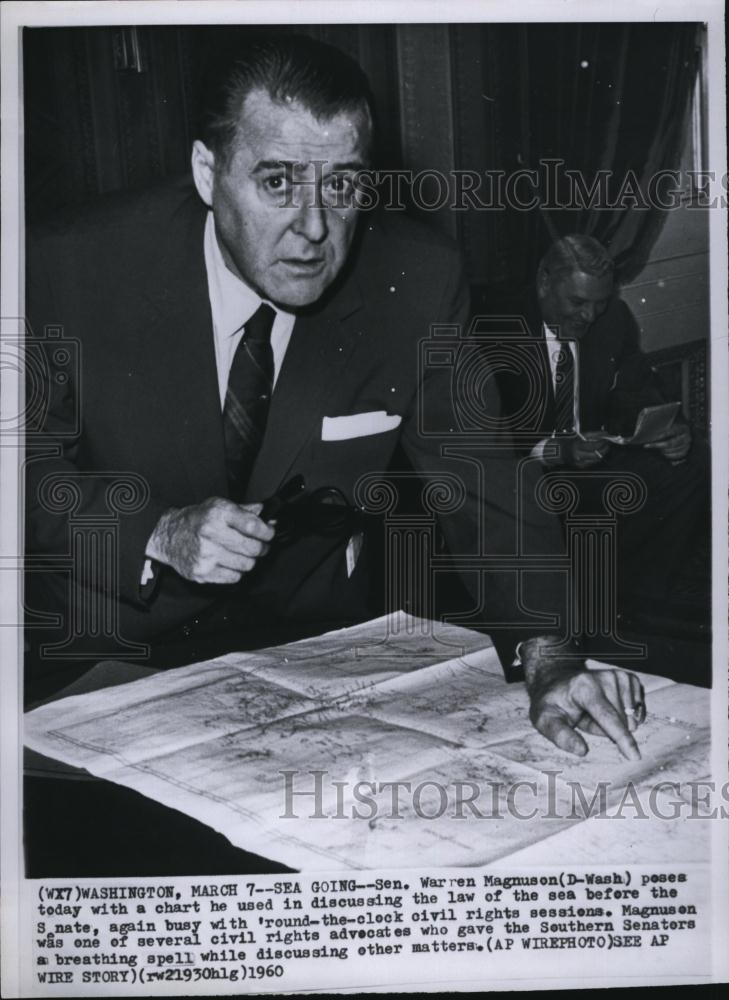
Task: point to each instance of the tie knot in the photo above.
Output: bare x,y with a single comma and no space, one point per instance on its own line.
258,328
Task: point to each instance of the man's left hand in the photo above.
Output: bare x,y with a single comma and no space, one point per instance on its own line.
675,445
565,698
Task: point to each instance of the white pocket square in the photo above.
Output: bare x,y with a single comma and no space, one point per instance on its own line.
358,425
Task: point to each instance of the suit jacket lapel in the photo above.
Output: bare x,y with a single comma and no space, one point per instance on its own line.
179,355
594,373
316,358
536,329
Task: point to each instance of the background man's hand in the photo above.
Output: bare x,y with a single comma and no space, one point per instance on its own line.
565,698
579,452
216,541
675,444
584,452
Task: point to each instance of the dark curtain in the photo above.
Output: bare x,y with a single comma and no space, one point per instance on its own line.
109,108
603,97
113,108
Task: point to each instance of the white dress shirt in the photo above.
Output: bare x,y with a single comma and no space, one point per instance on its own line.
554,346
232,304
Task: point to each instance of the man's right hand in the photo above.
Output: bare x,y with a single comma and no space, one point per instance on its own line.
216,541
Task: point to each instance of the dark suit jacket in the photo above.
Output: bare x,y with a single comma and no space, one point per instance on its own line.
615,379
127,281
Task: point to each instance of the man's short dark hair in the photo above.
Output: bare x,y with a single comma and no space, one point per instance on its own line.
287,67
576,253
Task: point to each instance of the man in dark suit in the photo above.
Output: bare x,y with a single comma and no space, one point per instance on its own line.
579,374
166,292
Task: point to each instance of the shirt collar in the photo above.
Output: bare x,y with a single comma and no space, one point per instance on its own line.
233,302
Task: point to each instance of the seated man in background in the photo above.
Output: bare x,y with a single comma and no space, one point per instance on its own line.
577,376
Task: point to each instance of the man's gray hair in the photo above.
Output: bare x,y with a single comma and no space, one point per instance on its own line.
576,253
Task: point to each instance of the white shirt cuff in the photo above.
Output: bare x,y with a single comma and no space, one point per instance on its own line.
147,572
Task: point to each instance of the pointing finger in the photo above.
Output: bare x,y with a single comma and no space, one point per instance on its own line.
627,701
638,697
552,724
592,700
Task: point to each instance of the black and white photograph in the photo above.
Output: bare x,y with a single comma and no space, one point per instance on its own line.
363,497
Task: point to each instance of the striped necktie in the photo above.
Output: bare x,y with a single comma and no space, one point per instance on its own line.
564,390
247,399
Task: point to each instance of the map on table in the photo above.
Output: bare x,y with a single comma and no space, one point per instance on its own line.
391,744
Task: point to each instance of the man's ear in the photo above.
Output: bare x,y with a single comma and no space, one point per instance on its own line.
203,171
542,283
